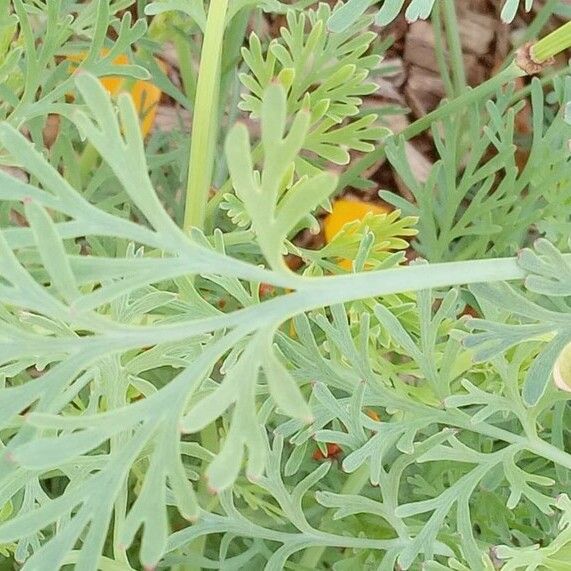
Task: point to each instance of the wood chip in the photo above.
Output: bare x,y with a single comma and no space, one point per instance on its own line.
477,32
170,117
423,91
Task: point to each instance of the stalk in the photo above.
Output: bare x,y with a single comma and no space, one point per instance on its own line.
439,51
454,47
552,45
201,162
205,117
185,65
541,52
542,17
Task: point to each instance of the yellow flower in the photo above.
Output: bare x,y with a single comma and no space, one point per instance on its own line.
145,94
345,211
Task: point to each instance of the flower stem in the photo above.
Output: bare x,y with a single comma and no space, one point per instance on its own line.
205,117
201,162
552,44
440,51
532,31
454,47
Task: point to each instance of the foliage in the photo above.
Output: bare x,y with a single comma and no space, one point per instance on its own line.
347,12
165,390
485,206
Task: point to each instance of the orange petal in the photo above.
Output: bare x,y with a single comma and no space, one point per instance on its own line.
373,414
346,265
146,97
345,211
145,94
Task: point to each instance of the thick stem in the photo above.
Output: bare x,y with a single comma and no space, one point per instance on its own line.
536,26
202,147
205,117
552,44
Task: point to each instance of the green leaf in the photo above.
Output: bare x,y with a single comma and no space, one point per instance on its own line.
283,387
539,374
52,251
194,9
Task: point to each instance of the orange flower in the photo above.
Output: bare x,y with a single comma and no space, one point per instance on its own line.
333,451
345,211
145,94
373,414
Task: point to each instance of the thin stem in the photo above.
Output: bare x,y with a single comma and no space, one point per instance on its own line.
469,97
215,201
454,46
439,51
185,65
536,26
205,117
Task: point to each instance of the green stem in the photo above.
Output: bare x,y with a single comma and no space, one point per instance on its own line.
185,65
536,26
552,44
353,485
205,117
454,47
202,150
469,97
550,452
439,51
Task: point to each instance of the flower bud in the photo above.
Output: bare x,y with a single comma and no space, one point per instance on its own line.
562,370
